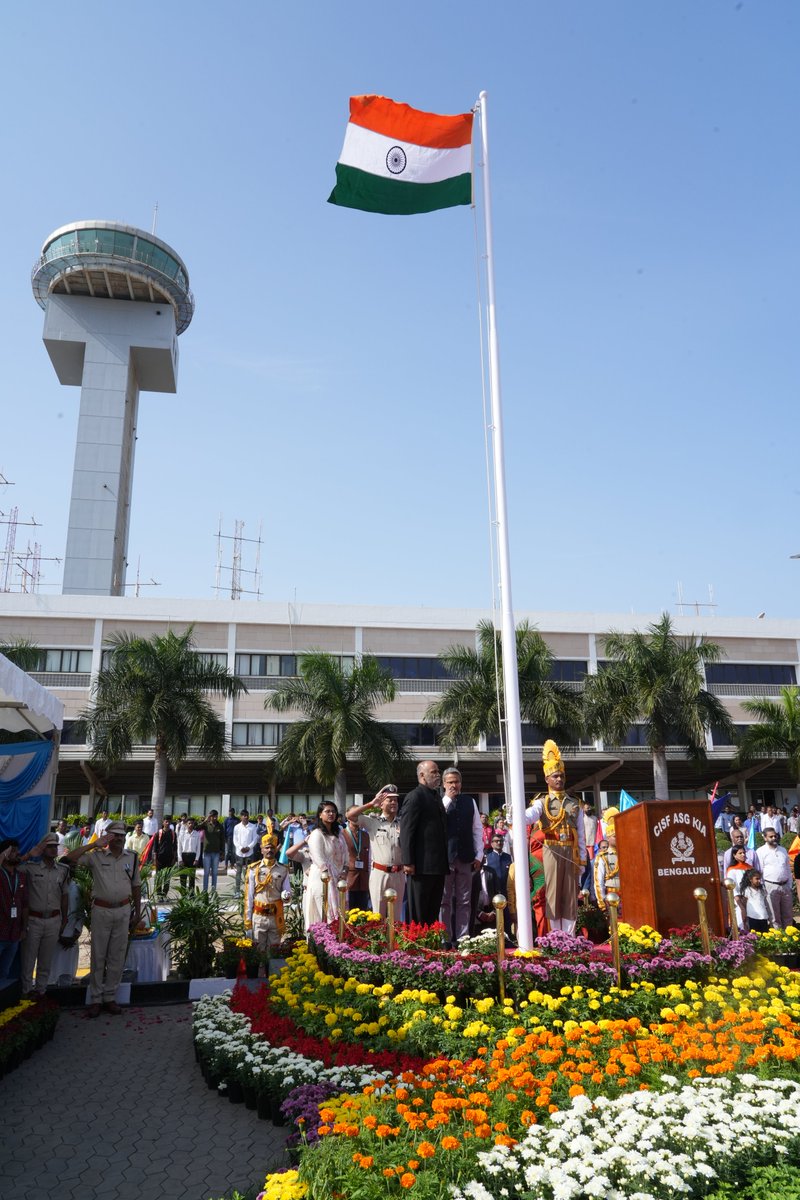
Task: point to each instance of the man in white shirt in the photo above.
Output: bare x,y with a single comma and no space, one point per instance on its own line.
772,819
101,824
150,824
465,852
245,842
776,871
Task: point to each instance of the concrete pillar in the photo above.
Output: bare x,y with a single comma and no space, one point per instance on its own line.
110,349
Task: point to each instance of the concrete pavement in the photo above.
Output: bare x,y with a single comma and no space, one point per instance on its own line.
116,1109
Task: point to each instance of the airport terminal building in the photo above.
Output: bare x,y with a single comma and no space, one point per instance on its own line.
262,641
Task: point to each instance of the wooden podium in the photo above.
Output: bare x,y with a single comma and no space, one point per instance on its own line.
666,849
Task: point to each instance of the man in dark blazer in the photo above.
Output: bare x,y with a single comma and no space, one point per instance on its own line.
423,844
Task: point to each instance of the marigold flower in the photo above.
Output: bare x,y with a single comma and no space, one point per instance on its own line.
450,1143
407,1180
426,1149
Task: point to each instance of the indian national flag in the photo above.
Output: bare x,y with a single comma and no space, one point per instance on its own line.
398,160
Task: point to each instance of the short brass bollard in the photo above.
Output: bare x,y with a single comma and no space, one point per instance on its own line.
701,895
391,896
326,881
729,886
499,904
341,887
613,928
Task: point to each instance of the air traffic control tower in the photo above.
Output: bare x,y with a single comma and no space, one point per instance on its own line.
115,300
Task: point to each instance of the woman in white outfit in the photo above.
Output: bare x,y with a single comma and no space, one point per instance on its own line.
328,851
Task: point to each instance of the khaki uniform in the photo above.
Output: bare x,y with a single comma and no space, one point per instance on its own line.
263,904
113,881
47,884
384,846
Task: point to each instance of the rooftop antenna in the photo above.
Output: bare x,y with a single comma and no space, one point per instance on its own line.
237,570
10,558
155,217
29,565
697,605
138,584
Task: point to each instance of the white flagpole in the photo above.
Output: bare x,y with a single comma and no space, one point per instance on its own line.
519,833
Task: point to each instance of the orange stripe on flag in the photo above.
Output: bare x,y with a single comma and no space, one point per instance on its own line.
408,124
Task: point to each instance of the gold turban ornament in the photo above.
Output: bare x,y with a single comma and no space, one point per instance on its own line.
551,759
607,820
269,839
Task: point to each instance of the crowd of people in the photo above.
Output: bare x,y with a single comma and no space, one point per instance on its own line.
442,857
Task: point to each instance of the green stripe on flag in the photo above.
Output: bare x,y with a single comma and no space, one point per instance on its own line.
373,193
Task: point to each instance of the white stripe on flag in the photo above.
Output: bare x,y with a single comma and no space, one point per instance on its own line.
368,151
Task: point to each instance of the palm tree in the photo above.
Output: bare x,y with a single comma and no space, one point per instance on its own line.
23,654
473,704
777,730
339,723
656,679
156,688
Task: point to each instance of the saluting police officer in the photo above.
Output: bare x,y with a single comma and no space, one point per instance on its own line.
48,885
116,909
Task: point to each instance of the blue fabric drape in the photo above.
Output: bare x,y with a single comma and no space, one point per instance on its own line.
25,820
31,773
24,816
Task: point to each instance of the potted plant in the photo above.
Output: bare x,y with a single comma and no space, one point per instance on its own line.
195,923
594,923
234,952
782,946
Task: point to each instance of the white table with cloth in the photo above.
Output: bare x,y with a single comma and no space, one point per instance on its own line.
149,956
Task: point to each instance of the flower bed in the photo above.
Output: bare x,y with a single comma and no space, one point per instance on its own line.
23,1029
557,961
483,1092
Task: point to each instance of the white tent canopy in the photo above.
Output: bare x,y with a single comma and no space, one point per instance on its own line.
25,706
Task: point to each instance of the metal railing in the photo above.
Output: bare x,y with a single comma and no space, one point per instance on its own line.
746,689
62,679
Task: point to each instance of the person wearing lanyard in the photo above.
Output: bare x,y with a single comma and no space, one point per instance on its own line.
13,905
357,865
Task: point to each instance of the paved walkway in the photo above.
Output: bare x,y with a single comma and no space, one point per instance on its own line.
116,1109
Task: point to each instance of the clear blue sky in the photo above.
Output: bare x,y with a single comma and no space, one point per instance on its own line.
645,188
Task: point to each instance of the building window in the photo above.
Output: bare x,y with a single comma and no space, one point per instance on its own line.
569,670
281,665
68,662
212,657
257,733
721,739
404,667
73,733
414,734
728,672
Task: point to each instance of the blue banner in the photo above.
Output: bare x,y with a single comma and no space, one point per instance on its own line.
24,807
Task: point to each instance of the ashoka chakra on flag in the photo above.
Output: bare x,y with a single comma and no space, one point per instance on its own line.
398,160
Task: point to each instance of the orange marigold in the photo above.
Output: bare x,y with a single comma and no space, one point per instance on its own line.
426,1149
450,1143
407,1180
